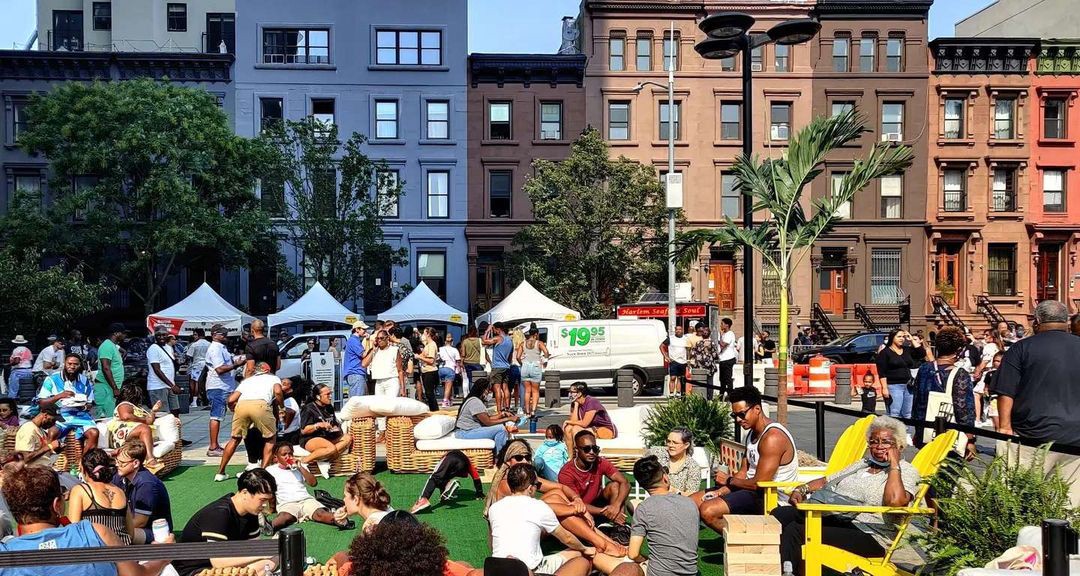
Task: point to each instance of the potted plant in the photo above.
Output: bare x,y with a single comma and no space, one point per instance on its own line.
708,420
946,290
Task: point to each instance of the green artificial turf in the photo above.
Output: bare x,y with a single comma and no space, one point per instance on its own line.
461,522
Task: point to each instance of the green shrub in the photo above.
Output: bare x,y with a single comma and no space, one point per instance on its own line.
980,514
708,420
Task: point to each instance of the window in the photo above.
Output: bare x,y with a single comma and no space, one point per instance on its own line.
378,290
386,119
177,17
1004,190
1001,271
1053,190
26,182
102,16
19,121
892,194
499,190
617,54
296,46
757,59
272,197
840,47
727,64
780,119
618,120
839,108
431,270
438,194
490,278
270,110
499,121
386,192
954,118
894,54
866,53
955,187
664,117
1054,118
438,120
837,181
730,120
885,276
221,29
408,47
730,196
551,120
892,122
322,111
671,51
1004,114
643,52
67,32
782,61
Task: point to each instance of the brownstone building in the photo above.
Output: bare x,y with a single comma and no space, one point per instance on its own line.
521,107
979,177
871,55
628,42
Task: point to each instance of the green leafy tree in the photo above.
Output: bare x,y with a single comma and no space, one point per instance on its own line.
777,185
600,237
334,200
38,299
146,175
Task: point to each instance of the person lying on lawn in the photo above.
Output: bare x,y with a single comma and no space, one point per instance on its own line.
292,501
452,466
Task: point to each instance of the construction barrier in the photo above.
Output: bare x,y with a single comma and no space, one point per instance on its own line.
818,378
821,377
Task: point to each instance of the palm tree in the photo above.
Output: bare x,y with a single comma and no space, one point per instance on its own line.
777,185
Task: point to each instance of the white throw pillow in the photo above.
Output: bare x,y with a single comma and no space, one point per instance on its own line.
434,427
168,428
393,406
358,407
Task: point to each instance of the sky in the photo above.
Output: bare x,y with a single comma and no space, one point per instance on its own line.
494,25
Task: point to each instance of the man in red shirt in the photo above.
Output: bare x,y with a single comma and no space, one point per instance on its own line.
585,474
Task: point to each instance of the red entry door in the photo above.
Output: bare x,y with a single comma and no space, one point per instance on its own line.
948,273
832,290
1048,272
722,277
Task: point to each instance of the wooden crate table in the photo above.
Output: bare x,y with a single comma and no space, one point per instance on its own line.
752,546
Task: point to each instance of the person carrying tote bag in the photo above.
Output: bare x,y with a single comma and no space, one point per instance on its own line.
945,389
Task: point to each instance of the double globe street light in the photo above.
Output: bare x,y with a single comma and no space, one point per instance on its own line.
728,34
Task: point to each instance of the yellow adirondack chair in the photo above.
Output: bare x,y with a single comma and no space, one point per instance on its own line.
819,555
849,449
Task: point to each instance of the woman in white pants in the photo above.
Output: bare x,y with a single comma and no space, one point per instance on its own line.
385,370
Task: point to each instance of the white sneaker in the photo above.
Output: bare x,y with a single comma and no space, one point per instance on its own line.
324,468
220,477
252,466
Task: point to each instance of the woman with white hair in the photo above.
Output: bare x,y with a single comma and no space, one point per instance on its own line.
883,478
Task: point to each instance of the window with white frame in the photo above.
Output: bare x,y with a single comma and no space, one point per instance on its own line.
835,187
885,275
408,47
894,54
1005,118
892,196
954,118
841,47
499,121
551,120
671,51
643,53
730,120
866,53
386,192
438,119
843,107
892,121
431,270
666,120
296,46
438,193
780,121
617,54
386,119
1053,190
618,120
782,57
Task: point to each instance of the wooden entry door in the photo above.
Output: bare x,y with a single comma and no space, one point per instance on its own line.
722,284
832,290
1049,267
947,277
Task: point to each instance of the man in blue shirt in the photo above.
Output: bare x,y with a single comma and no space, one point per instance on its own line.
355,375
73,394
148,500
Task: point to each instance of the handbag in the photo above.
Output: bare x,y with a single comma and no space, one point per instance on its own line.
940,404
830,496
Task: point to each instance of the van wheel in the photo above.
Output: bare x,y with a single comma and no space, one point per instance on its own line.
640,384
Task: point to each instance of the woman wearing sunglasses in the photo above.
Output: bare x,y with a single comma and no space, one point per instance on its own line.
586,413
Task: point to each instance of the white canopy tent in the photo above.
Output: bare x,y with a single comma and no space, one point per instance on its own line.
316,305
526,303
201,309
423,304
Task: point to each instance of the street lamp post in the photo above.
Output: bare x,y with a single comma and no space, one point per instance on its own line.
728,34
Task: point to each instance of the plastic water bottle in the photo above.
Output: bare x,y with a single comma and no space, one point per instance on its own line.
788,571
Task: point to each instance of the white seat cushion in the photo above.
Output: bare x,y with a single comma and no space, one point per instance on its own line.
434,427
449,442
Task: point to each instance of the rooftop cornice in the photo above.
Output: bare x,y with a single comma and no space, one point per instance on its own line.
57,65
553,69
992,56
842,9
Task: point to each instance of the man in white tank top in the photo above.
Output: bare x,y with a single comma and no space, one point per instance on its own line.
770,456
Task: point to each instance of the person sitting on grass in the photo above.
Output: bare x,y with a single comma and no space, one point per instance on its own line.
552,454
131,421
253,404
146,494
292,501
36,500
454,465
365,497
320,431
230,518
667,521
73,394
585,475
563,500
97,499
400,546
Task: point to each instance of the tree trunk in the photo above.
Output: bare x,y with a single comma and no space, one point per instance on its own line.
782,352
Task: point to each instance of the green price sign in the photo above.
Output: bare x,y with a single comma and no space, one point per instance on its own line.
582,335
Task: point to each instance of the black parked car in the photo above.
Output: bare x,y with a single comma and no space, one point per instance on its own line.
854,349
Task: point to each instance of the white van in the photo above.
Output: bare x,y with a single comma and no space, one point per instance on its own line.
594,350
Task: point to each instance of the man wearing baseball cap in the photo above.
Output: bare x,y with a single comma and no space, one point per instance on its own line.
110,375
33,439
161,378
220,382
355,375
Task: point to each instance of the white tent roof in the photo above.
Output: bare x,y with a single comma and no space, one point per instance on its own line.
423,304
316,305
202,309
527,303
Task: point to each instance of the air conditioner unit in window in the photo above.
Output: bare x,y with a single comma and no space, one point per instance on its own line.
779,133
756,66
892,137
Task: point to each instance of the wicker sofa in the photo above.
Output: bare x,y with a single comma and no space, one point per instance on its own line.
404,454
169,454
360,457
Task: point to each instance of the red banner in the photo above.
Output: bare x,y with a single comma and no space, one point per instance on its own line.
173,324
661,310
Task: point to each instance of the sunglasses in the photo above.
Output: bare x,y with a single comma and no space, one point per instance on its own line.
592,448
741,415
519,458
879,442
